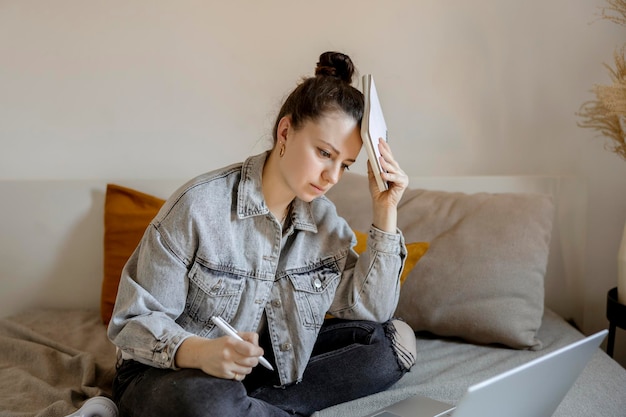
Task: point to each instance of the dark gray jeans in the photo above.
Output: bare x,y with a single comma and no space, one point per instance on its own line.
351,359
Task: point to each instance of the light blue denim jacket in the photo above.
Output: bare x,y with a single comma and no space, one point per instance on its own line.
215,249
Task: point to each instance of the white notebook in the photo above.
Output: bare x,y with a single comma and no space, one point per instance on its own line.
373,128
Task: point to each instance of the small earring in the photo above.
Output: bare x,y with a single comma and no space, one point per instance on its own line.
281,153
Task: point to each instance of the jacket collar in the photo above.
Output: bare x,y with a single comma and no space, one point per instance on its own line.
251,202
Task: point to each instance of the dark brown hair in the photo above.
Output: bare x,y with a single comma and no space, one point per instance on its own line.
329,90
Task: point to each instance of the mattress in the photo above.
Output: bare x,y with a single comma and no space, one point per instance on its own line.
54,360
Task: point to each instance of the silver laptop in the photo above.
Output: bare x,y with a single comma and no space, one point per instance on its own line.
534,389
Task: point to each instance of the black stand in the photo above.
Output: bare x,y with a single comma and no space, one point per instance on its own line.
616,313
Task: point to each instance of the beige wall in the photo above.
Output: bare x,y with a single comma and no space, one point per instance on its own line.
155,88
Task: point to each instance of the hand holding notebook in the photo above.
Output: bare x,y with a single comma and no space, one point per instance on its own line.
373,128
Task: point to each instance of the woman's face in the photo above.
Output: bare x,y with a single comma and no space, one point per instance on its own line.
318,153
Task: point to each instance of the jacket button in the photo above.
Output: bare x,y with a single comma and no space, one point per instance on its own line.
164,356
317,283
285,347
276,303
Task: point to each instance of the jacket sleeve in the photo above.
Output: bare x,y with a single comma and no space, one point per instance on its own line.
370,283
151,295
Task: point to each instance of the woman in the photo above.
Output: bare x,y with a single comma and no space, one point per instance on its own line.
258,244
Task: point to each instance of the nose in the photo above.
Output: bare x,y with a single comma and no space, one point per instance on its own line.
332,174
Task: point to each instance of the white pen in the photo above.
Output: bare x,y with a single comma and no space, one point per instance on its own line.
229,330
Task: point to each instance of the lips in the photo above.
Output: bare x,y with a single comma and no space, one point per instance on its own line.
320,190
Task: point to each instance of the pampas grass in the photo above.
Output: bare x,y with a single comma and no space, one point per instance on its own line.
615,11
607,113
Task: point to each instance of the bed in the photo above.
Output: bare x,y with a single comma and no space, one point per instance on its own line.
491,285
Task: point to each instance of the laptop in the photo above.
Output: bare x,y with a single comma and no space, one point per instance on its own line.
534,389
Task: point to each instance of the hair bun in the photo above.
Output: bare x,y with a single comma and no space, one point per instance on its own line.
335,64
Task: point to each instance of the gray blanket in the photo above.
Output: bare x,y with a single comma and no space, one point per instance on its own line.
52,361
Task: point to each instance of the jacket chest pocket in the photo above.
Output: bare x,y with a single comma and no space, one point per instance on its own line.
314,292
211,292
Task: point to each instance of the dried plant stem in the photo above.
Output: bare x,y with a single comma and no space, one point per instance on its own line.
607,114
615,12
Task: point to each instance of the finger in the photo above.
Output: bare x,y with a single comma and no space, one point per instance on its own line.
239,367
385,149
251,337
246,363
237,376
388,164
395,171
244,355
250,346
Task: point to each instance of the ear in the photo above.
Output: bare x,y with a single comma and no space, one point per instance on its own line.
284,124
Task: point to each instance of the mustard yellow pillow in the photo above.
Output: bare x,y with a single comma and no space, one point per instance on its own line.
127,214
414,252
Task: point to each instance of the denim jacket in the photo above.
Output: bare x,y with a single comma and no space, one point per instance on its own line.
215,249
